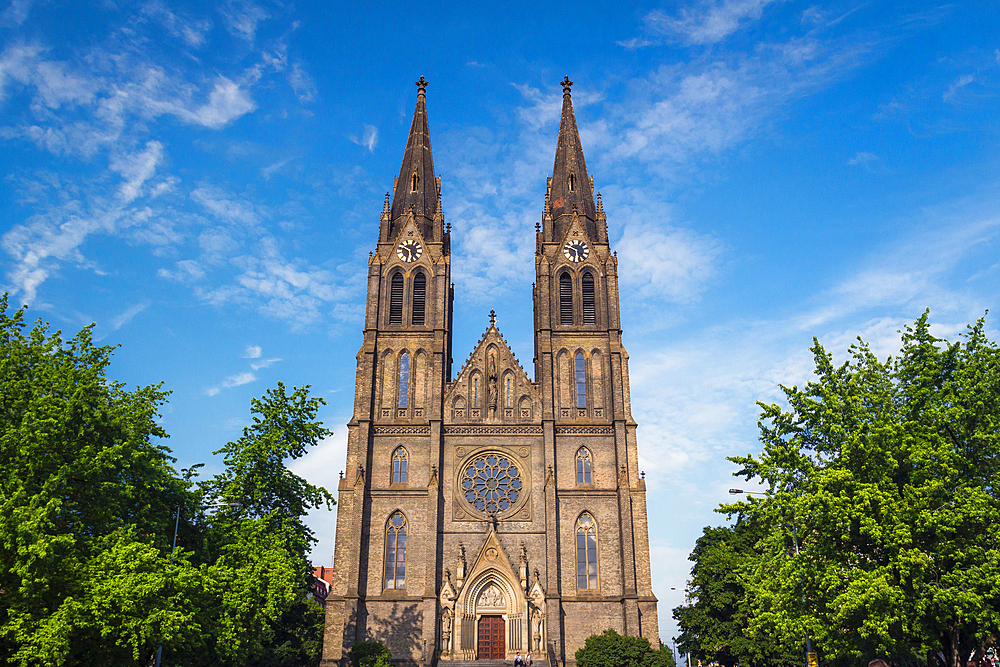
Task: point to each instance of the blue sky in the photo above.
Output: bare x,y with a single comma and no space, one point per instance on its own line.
204,183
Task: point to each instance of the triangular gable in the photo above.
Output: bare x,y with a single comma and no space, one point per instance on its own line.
430,252
492,557
492,344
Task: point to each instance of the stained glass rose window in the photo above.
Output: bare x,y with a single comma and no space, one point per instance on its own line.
492,483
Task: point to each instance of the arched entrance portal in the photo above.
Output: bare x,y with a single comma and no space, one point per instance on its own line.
491,607
489,617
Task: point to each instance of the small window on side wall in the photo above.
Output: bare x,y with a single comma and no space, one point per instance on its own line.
404,380
581,381
584,463
395,551
399,466
586,552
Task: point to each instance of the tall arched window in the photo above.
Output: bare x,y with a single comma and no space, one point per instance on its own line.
586,553
419,298
509,392
399,466
404,380
583,465
396,299
565,299
395,551
475,390
589,310
572,182
581,381
414,182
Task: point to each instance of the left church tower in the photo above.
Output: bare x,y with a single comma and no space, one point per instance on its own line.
395,435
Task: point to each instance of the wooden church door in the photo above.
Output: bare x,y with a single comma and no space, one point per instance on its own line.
491,638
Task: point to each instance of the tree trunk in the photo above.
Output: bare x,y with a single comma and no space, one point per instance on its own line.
955,653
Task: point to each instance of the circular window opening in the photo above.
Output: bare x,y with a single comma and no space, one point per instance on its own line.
492,483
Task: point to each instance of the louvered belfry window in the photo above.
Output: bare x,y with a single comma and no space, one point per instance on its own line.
565,299
396,300
589,311
419,298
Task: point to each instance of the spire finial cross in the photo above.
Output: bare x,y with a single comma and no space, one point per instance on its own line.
493,318
422,85
566,84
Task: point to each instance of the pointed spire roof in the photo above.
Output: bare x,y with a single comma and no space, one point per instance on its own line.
416,188
571,187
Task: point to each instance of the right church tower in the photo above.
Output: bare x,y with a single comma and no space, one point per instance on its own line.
581,368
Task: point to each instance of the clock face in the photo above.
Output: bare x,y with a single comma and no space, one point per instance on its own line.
576,251
409,250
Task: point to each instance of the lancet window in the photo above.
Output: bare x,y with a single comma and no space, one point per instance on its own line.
395,551
399,466
584,463
581,381
404,380
586,552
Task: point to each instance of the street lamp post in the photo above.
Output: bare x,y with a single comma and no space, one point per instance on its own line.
811,659
173,548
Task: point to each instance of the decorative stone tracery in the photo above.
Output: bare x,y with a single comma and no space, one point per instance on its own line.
491,589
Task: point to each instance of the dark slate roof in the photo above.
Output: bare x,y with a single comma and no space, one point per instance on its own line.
570,161
417,158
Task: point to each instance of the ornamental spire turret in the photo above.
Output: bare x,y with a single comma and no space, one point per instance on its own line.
416,187
570,185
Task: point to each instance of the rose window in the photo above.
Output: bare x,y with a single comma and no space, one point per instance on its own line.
492,483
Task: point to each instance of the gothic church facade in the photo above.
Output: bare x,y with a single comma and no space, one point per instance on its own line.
487,513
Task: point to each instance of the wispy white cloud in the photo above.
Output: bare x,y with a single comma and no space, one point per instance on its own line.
368,139
225,206
863,158
121,320
53,83
243,17
67,219
956,86
232,381
192,30
269,170
15,13
302,83
136,169
266,363
252,352
706,22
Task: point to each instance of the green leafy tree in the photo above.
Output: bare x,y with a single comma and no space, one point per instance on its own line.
86,492
369,654
611,649
263,544
890,472
715,623
88,496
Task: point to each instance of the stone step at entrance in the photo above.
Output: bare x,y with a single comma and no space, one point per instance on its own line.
487,663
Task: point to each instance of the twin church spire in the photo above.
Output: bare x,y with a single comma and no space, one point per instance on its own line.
417,189
570,188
